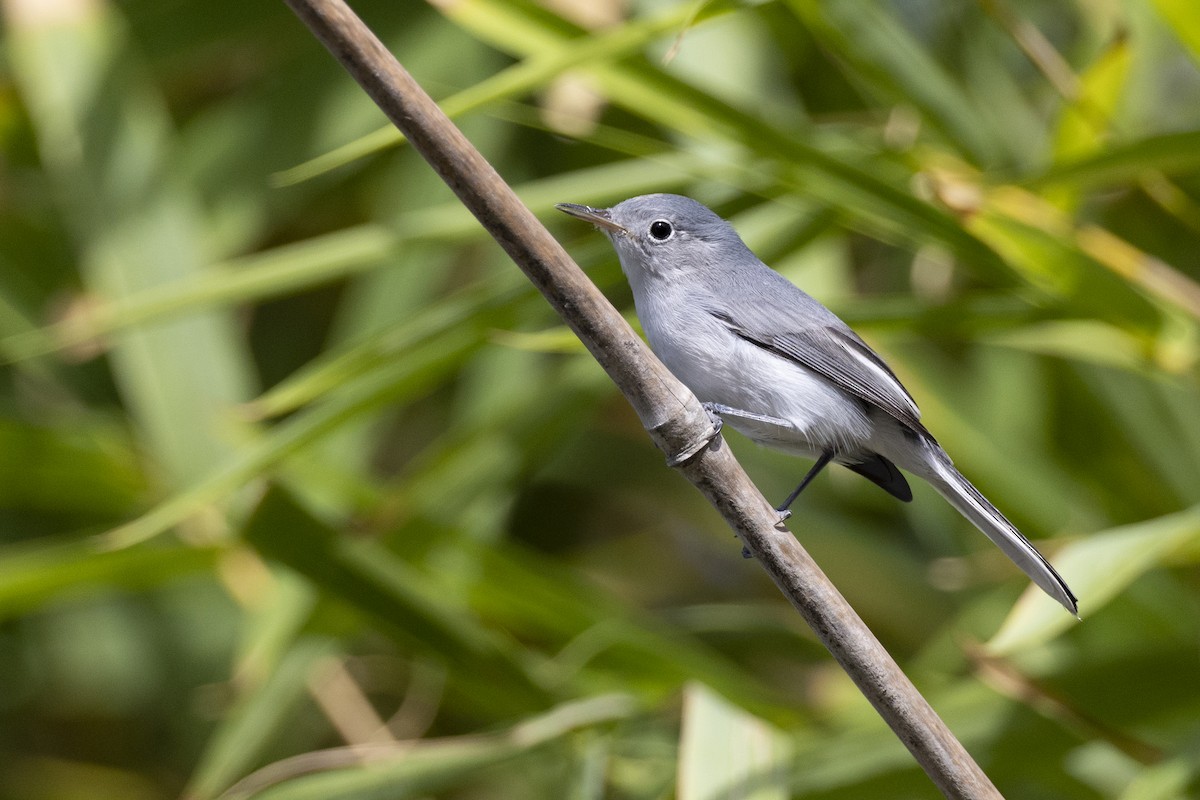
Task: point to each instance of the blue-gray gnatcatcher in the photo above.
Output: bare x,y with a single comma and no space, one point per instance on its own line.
780,367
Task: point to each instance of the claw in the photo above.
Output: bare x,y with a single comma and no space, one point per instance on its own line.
714,416
690,452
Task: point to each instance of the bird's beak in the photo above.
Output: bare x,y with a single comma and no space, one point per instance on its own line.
597,216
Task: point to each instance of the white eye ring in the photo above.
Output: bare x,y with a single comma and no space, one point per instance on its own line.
661,230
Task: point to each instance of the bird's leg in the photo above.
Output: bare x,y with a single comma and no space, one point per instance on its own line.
825,458
717,410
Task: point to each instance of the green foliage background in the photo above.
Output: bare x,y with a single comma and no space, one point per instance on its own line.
288,449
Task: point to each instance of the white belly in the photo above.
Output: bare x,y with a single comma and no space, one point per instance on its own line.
814,416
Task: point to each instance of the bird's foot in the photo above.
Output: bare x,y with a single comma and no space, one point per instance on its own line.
714,415
690,452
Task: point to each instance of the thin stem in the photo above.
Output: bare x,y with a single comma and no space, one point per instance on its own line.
670,413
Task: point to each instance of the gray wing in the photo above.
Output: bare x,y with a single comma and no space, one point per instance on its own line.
836,353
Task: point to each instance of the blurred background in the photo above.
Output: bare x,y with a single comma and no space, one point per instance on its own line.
304,493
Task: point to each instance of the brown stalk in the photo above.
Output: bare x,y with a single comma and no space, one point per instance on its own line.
668,410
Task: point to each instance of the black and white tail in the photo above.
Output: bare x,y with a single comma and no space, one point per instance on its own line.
983,515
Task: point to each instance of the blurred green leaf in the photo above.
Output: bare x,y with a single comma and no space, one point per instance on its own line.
1098,569
537,598
87,468
1084,340
885,56
726,752
1123,162
1013,228
678,106
415,769
32,575
397,598
1095,270
471,309
1183,19
106,145
256,277
1086,122
255,721
1167,781
540,68
403,377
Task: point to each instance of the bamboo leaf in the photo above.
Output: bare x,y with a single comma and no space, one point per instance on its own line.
891,62
1098,568
256,720
33,575
670,102
394,596
541,67
106,144
1184,21
416,770
726,752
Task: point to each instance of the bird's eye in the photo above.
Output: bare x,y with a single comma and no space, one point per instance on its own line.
661,230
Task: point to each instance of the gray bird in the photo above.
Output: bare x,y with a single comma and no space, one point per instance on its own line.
781,368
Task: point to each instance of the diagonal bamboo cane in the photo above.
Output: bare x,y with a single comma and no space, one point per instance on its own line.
668,410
